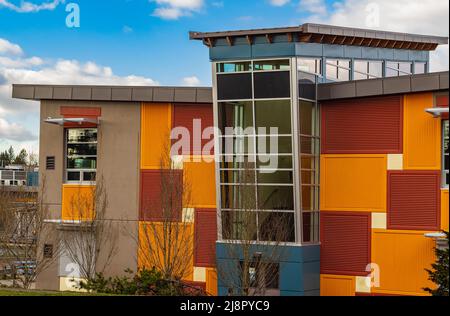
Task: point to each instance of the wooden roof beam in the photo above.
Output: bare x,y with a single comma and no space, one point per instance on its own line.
269,38
229,40
249,39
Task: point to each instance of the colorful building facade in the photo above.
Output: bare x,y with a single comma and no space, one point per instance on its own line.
361,172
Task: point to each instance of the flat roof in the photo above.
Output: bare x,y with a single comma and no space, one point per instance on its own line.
326,91
113,93
329,34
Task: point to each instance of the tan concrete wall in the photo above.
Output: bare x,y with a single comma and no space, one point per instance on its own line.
118,166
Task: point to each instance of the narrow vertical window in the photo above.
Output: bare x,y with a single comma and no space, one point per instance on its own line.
81,155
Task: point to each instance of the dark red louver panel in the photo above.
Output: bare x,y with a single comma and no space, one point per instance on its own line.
363,126
153,196
345,243
205,237
184,116
414,200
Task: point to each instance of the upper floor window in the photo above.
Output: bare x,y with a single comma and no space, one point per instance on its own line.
234,67
445,154
311,65
81,154
420,68
267,65
364,69
396,69
338,69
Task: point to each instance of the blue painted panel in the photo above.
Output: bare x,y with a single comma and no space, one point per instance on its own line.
352,52
309,49
311,253
311,276
419,55
291,293
401,55
386,53
312,293
333,50
370,53
291,276
230,52
273,50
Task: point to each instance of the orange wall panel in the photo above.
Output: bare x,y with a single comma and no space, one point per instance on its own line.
402,257
422,134
155,133
337,285
156,236
353,183
444,210
200,178
211,282
77,202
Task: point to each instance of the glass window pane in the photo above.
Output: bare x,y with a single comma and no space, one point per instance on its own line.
275,198
73,176
275,226
274,161
361,69
405,69
419,68
239,225
392,69
308,162
307,86
332,71
89,176
237,176
376,69
238,197
82,149
271,65
274,145
311,65
309,145
79,135
237,145
276,113
307,117
237,162
235,114
82,163
284,177
310,229
234,67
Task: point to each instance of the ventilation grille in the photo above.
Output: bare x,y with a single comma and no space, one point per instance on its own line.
50,163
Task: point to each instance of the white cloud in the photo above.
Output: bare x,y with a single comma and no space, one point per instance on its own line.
15,132
26,6
429,17
174,9
279,3
191,81
19,119
313,6
7,48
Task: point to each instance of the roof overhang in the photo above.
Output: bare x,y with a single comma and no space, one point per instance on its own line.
72,121
328,34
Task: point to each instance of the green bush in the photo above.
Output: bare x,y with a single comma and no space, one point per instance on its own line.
439,273
145,283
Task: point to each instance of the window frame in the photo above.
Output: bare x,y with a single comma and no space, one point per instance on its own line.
445,172
80,171
339,68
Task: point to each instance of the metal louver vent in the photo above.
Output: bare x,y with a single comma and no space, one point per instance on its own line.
50,163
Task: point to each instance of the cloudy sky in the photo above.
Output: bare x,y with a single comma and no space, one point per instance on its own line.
145,42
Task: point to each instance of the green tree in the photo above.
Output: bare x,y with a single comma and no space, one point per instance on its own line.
21,158
439,272
11,155
4,159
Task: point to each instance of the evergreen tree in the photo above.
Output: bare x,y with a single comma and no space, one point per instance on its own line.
11,155
21,158
439,272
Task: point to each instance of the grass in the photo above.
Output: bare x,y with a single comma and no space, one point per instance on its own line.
19,292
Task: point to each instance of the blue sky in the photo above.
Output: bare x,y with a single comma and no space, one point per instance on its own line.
146,41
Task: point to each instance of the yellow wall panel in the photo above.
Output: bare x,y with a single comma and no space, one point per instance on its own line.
77,202
155,133
444,210
402,257
337,285
421,134
164,246
353,183
211,281
200,179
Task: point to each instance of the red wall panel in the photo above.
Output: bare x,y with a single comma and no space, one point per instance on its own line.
80,112
184,116
152,196
363,126
205,237
414,200
345,243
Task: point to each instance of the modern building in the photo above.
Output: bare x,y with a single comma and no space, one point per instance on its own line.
357,179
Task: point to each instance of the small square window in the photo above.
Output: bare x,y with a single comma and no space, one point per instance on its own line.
73,176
